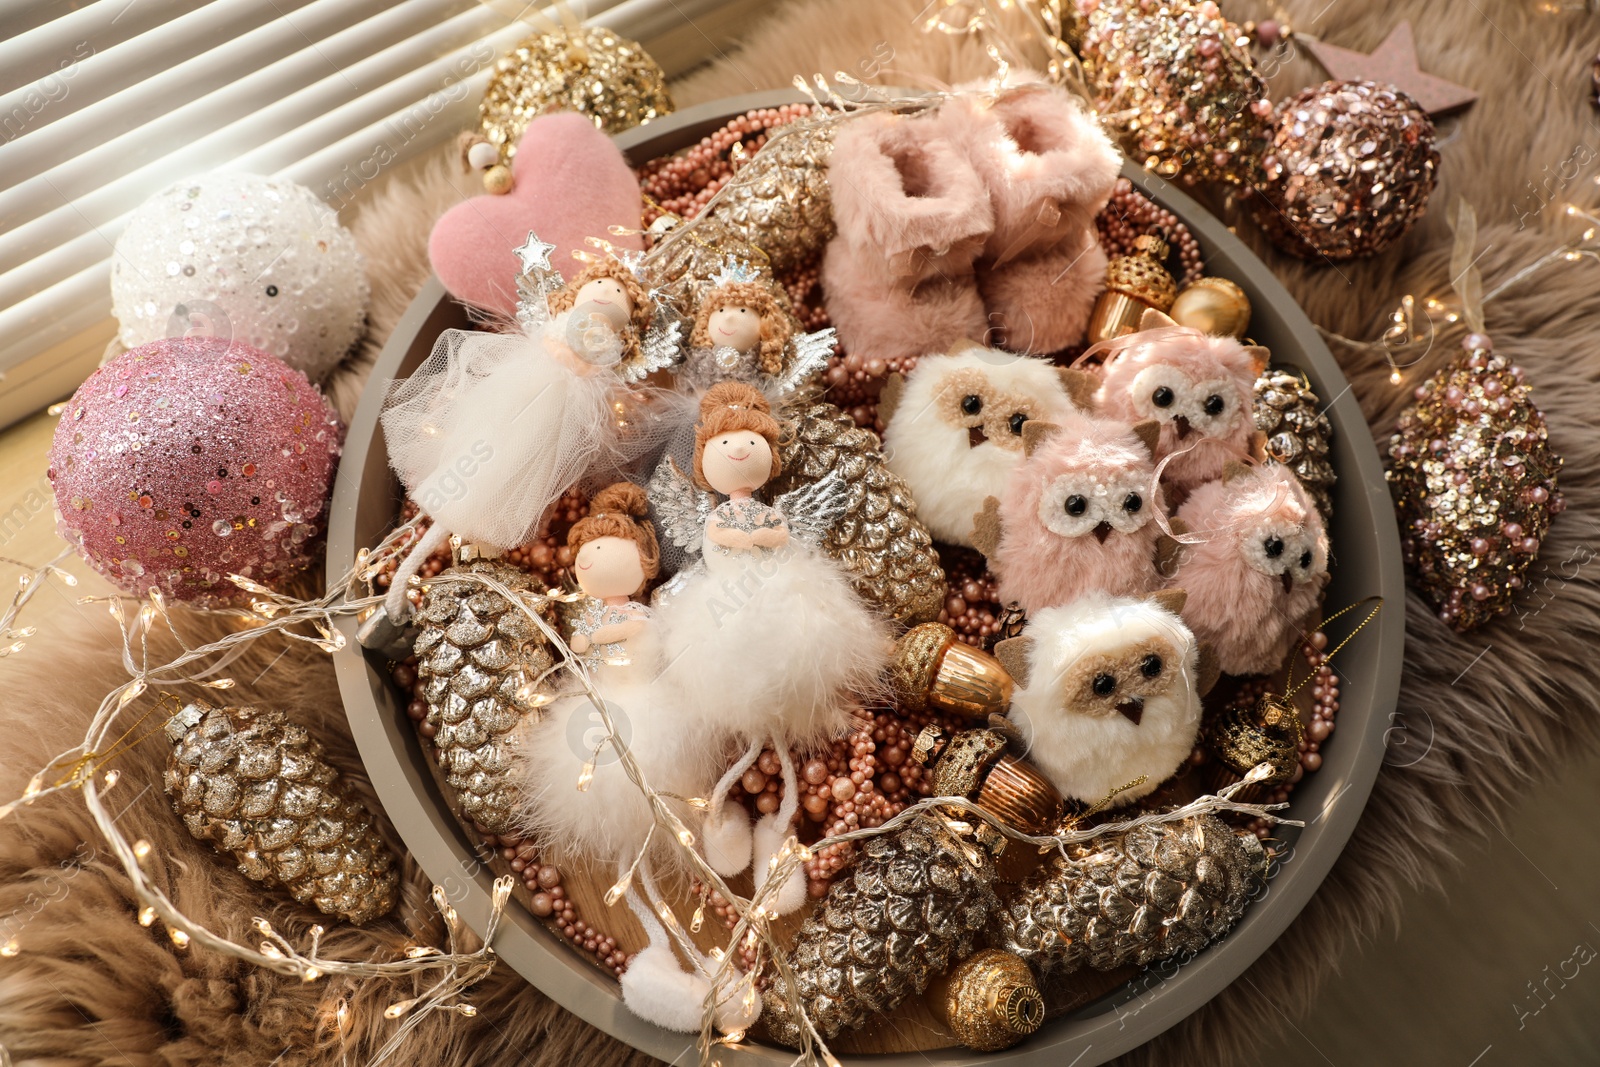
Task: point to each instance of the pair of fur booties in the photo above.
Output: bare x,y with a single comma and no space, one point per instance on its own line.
971,221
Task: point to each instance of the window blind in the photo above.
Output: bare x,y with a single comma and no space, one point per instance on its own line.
105,103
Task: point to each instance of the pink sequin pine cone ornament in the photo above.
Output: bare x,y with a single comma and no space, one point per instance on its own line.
186,460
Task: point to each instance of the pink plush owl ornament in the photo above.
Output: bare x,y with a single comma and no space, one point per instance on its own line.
1077,516
1257,570
1200,388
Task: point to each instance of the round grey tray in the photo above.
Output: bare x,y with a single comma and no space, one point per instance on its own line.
366,502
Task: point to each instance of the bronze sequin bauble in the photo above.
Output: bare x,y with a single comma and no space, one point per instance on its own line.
1179,83
989,1000
477,655
1133,898
1298,433
1349,170
879,541
256,785
1474,484
593,71
779,199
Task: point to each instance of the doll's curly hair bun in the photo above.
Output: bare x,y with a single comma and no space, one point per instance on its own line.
619,511
729,407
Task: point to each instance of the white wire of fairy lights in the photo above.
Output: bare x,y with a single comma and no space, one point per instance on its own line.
12,637
81,768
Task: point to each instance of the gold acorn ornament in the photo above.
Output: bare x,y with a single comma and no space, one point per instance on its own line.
480,660
916,901
1133,898
880,542
1474,483
1296,432
257,785
933,668
1213,305
1270,732
1135,283
570,67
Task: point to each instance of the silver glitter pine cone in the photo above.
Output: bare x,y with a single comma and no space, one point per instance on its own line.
1133,898
1474,484
254,784
1349,169
912,905
1298,434
779,199
880,542
477,655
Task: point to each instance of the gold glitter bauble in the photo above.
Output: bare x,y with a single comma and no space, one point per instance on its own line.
1133,898
1269,732
1474,484
477,657
595,72
1348,171
779,199
1179,83
256,785
880,542
1298,433
989,1000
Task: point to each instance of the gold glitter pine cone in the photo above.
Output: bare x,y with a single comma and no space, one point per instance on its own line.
254,784
913,903
1148,62
1348,171
476,655
779,200
1298,434
880,542
1474,484
593,71
1133,898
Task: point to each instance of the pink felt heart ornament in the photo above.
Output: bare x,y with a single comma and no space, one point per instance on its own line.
571,183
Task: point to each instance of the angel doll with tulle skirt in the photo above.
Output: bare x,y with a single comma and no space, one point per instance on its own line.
494,427
609,822
764,641
743,332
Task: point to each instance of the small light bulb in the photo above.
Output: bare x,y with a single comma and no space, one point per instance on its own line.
698,920
141,849
10,948
147,916
179,937
311,974
586,776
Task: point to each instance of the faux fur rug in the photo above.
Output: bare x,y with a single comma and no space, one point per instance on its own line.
92,987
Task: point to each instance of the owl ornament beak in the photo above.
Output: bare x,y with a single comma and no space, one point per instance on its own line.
1182,423
1288,583
976,436
1102,532
1131,709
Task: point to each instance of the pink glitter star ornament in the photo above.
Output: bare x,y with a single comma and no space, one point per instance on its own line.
186,460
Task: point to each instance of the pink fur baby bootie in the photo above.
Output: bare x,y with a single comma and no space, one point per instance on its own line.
912,217
1048,169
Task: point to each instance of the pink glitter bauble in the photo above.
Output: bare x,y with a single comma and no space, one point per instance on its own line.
188,459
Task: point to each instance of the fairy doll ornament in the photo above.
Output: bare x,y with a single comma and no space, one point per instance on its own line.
743,332
764,640
494,427
609,820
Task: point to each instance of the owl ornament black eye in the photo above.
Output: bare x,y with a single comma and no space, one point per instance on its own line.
972,404
1162,397
1214,405
1305,560
1151,666
1132,503
1017,422
272,290
1273,547
1105,684
1076,505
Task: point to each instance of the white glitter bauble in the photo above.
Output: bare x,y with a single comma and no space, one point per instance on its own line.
247,258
